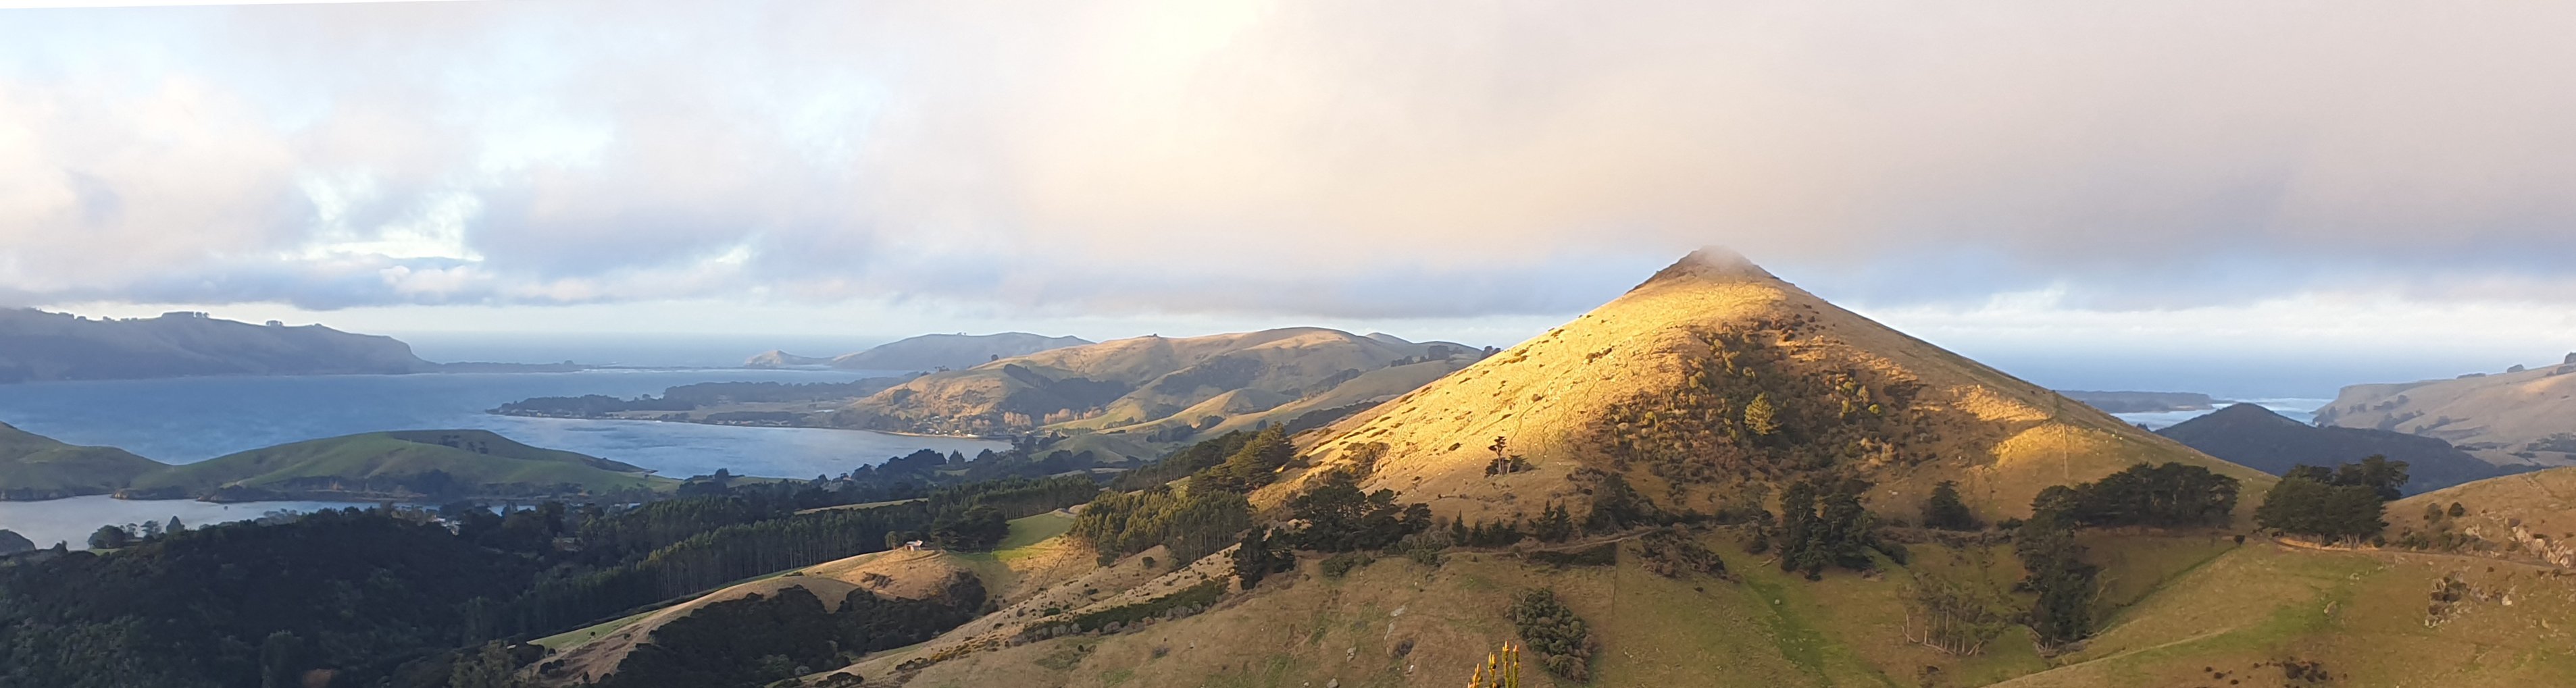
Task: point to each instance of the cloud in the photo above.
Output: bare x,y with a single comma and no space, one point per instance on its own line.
1314,158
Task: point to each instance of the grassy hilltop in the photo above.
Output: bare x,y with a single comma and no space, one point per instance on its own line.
429,462
33,466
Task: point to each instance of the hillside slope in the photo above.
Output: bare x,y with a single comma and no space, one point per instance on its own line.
33,467
2276,615
1156,390
594,654
36,345
2529,517
2526,416
431,463
1662,385
2255,437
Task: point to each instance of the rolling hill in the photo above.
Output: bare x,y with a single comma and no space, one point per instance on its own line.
34,467
36,345
2256,437
2520,416
926,352
421,463
2530,516
1150,392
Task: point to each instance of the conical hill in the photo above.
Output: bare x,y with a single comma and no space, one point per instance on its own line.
1713,381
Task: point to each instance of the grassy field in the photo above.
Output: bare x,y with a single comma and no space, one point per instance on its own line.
1030,531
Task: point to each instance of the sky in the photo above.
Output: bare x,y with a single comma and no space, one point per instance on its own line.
2108,193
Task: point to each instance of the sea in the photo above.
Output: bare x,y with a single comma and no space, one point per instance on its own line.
186,420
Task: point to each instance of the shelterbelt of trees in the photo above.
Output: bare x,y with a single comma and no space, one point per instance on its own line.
401,597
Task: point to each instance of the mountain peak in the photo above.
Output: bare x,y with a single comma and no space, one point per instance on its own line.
1714,374
1712,264
2250,411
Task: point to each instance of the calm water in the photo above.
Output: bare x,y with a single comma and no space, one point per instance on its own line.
194,419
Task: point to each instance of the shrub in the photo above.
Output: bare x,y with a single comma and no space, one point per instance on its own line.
1340,565
1561,639
1259,556
1672,554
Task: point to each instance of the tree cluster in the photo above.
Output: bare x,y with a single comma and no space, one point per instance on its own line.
1256,464
2173,495
1825,525
2345,503
2056,570
1263,552
1756,408
1191,524
1187,460
759,639
1338,517
231,604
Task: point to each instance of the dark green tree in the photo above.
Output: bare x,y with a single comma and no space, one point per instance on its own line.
109,537
976,528
1259,556
1341,518
1945,511
1800,531
2049,554
1555,524
1251,467
2384,477
2304,506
